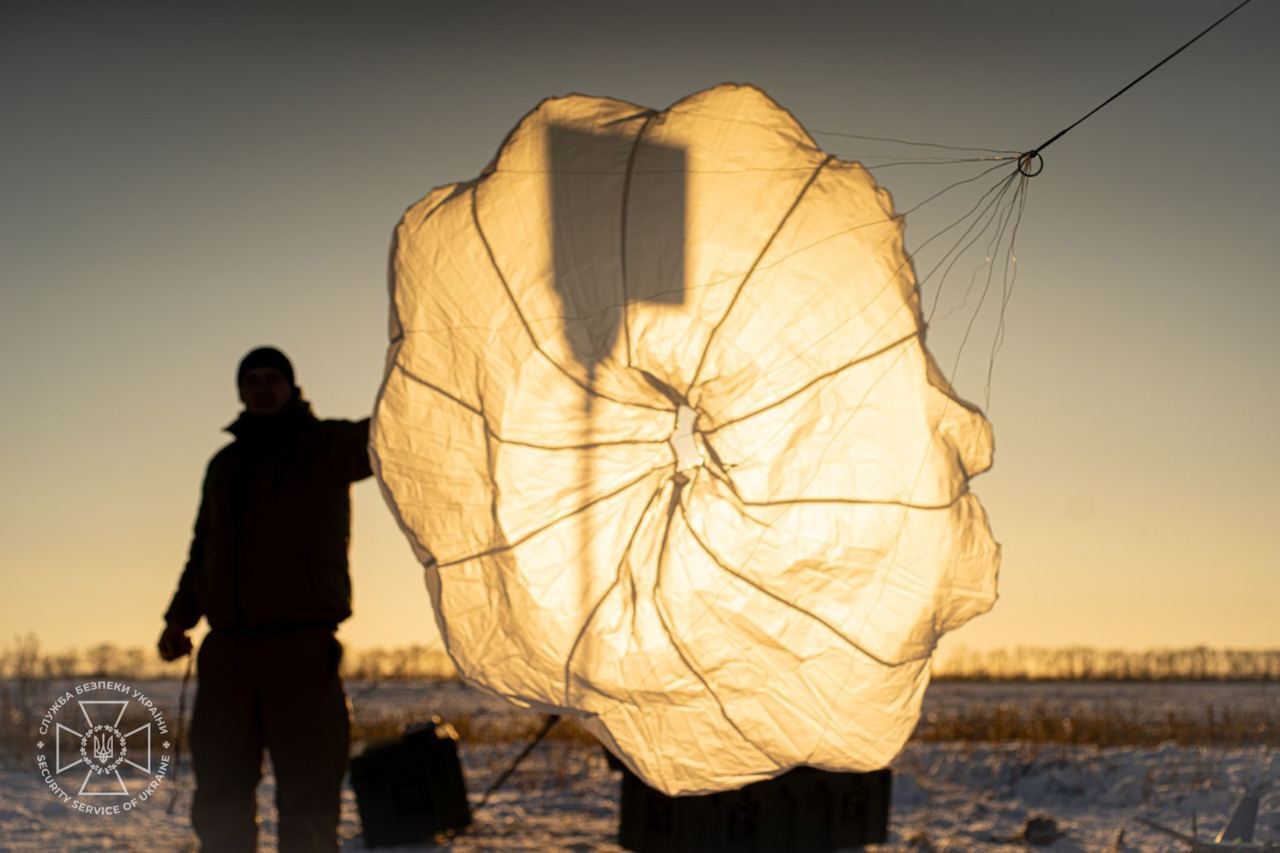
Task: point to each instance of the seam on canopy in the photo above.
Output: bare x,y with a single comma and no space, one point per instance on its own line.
590,446
660,608
783,601
495,495
862,502
543,528
426,383
662,171
706,350
789,502
617,579
493,260
830,374
515,441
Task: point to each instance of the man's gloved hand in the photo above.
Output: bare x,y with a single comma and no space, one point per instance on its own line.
174,643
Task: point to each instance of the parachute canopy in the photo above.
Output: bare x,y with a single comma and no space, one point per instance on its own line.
659,421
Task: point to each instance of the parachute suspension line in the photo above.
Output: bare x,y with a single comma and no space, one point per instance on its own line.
968,291
1017,206
898,141
1010,277
957,161
1030,163
1005,216
748,170
838,133
945,190
989,254
990,211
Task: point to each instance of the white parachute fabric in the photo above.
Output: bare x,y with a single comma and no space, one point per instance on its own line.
659,421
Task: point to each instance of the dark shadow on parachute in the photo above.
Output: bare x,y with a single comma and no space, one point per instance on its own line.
618,206
614,201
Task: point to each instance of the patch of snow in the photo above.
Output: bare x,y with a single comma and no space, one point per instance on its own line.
946,795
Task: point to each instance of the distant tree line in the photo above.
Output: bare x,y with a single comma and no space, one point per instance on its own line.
23,658
1085,663
406,662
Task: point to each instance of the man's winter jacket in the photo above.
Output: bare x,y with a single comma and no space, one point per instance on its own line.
270,544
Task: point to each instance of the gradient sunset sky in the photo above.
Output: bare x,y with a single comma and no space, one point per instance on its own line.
179,184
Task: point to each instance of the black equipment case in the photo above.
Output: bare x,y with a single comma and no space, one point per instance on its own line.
412,788
804,810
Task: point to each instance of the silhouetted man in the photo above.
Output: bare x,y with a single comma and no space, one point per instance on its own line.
268,569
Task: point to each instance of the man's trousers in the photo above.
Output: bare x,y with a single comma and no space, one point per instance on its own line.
279,691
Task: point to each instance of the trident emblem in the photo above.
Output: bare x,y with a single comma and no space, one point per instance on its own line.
104,748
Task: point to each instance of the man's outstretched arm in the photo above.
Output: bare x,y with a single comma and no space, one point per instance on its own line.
351,449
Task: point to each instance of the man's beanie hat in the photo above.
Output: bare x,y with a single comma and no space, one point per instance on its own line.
266,357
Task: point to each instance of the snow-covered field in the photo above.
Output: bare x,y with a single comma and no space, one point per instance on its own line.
947,795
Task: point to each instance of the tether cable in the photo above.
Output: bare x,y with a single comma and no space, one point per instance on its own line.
1030,162
547,725
180,733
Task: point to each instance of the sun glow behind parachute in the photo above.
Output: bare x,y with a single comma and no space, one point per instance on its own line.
659,421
